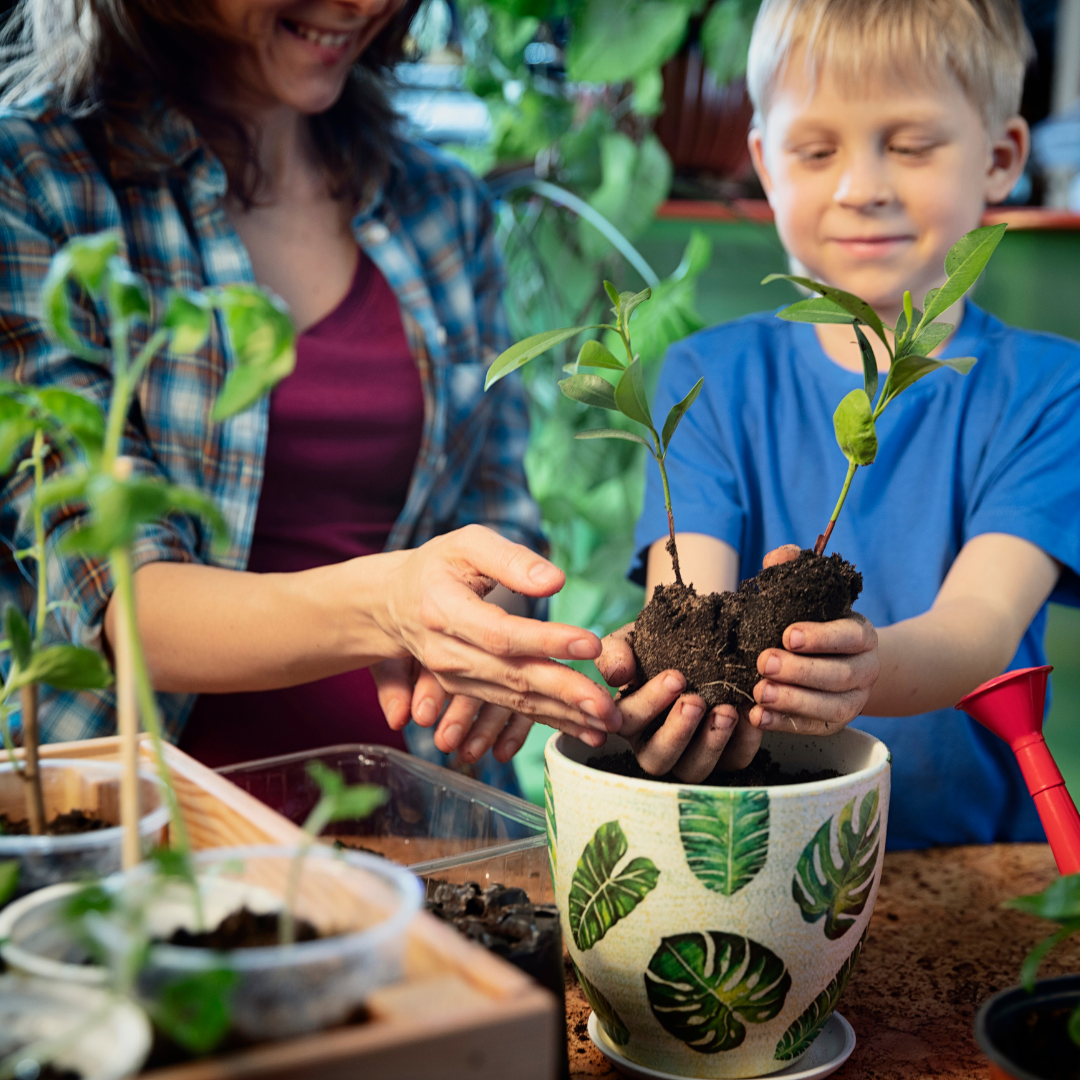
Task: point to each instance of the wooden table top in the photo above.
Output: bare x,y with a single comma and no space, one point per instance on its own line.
939,945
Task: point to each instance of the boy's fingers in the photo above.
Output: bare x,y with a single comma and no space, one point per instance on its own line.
833,673
784,553
616,662
791,725
741,747
660,754
854,634
708,745
641,707
832,710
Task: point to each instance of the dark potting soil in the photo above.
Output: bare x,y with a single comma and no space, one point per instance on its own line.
715,640
761,772
67,824
1039,1042
51,1072
243,929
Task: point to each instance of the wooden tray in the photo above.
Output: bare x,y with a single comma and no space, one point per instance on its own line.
460,1013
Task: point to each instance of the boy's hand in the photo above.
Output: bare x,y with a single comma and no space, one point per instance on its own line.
821,679
684,744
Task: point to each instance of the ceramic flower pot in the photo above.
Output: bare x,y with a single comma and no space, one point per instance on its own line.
94,788
714,929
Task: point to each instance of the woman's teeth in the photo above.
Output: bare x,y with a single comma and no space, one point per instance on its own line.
324,38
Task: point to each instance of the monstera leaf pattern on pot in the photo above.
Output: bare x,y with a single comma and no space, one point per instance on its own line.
609,1019
839,891
704,988
599,894
725,836
552,828
806,1028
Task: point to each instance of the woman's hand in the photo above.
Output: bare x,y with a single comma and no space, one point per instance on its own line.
821,680
473,650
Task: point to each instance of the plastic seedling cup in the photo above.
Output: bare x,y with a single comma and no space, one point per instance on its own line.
90,786
95,1034
361,905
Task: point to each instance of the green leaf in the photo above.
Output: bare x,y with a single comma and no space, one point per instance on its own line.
66,667
128,295
61,489
965,262
869,363
853,423
263,339
593,354
1029,969
902,323
89,258
187,316
839,891
931,338
725,836
818,309
195,1011
15,433
630,396
1059,901
18,633
524,351
195,503
677,412
551,824
590,390
74,413
725,38
9,880
805,1029
629,303
705,987
610,1021
613,295
614,433
613,41
601,895
910,369
340,802
848,301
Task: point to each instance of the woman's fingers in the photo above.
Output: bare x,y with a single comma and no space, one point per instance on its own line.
513,565
489,725
428,699
513,737
394,685
616,662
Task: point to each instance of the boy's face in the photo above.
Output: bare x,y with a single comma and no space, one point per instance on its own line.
871,188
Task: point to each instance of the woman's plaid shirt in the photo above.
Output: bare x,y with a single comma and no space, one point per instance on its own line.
429,230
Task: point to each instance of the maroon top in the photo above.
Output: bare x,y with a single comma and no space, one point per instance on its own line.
344,433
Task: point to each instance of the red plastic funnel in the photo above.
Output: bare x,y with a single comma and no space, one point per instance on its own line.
1011,706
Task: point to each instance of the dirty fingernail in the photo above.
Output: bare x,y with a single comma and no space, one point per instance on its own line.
426,713
768,719
796,639
673,683
582,649
473,749
691,711
772,665
769,693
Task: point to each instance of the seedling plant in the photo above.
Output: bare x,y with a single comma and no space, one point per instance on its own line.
909,344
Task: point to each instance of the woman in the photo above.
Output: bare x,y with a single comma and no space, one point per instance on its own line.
240,140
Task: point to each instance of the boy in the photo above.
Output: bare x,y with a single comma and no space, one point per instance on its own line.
881,132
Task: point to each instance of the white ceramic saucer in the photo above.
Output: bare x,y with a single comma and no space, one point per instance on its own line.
829,1051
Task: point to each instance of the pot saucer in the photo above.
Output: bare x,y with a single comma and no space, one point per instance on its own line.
829,1051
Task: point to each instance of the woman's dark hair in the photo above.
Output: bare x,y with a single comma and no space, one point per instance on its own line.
121,63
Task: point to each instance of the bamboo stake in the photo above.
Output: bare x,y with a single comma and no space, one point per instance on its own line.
31,771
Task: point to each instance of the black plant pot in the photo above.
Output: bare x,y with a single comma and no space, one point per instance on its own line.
1025,1035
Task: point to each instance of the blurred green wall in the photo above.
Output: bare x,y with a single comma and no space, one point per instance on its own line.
1032,281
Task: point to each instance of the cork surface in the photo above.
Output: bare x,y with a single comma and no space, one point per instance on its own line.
939,945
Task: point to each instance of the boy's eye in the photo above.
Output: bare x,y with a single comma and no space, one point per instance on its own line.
815,153
913,150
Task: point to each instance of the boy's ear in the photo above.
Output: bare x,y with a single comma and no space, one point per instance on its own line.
756,141
1008,156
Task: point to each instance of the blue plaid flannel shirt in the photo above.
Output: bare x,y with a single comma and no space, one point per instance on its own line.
430,230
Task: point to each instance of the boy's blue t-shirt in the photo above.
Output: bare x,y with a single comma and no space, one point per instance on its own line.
755,464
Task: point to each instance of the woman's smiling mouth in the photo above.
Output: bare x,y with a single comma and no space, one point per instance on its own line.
324,39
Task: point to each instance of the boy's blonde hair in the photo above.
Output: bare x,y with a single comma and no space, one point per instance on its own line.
983,44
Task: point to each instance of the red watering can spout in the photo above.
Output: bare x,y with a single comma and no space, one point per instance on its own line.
1011,706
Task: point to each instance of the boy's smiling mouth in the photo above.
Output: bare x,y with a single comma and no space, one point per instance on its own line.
872,246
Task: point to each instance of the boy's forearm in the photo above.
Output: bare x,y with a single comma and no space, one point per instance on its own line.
207,630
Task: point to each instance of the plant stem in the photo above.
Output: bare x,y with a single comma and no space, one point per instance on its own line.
672,550
317,820
127,714
823,539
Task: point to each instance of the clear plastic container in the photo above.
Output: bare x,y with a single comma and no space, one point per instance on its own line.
442,826
361,906
77,784
91,1032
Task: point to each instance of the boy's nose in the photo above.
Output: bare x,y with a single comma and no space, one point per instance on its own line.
863,183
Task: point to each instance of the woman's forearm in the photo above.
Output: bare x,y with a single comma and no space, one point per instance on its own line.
207,630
